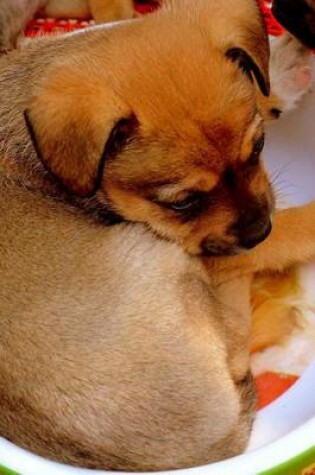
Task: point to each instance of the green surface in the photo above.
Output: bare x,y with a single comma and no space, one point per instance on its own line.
6,471
303,464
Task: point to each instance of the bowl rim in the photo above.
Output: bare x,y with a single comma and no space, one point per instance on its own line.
295,448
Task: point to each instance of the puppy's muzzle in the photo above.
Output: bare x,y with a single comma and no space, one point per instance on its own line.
255,236
253,226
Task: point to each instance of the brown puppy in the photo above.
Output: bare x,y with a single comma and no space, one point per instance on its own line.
188,158
118,349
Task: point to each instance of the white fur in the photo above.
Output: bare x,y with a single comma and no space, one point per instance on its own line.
290,70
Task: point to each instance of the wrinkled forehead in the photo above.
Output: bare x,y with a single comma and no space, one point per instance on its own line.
208,121
194,102
217,146
189,97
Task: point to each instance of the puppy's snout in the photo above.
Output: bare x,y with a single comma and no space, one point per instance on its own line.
255,236
253,226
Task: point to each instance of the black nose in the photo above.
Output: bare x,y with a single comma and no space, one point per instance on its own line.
253,224
252,237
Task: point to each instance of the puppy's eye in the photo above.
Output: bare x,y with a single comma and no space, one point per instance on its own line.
258,147
191,203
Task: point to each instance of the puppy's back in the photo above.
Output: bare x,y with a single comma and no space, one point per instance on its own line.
106,361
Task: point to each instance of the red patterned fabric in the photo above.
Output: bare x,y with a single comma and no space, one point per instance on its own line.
48,26
273,26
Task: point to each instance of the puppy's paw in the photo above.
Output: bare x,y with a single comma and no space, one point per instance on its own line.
106,11
290,71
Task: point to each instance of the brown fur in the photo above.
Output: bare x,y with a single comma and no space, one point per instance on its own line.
218,135
119,349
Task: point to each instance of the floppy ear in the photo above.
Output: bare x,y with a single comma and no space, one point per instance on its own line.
75,126
250,68
249,45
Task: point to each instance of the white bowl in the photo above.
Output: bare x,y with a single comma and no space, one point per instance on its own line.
283,439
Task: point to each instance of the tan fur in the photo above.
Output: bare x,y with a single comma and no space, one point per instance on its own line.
102,11
116,370
14,14
109,10
68,8
118,348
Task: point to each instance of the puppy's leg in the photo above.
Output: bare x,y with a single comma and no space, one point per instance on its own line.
14,15
290,76
104,11
67,9
291,241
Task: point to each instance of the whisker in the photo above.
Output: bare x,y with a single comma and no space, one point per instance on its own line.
279,172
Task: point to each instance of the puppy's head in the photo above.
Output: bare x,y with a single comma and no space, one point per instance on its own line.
158,121
298,17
